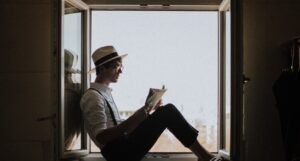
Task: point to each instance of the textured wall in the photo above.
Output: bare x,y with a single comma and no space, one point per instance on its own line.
267,24
25,80
25,76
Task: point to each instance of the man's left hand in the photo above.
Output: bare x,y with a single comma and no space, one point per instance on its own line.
158,105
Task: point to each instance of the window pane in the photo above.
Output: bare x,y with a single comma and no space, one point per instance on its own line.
72,55
228,81
172,48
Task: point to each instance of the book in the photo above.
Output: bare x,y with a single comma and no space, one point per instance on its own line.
154,96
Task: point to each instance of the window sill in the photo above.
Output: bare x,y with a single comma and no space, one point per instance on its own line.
149,157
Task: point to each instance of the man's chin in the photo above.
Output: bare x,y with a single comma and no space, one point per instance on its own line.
115,81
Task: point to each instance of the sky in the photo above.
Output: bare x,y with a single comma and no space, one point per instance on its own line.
172,48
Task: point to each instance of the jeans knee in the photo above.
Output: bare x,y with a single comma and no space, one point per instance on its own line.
170,106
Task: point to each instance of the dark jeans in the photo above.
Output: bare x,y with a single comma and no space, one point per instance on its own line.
134,146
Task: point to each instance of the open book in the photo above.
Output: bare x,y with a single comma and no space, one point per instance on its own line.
154,96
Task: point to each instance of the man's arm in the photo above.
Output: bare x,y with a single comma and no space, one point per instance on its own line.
126,126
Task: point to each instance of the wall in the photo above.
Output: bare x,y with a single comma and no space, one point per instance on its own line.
25,76
267,24
25,80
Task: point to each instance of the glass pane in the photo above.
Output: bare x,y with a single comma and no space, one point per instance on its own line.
228,80
72,55
177,49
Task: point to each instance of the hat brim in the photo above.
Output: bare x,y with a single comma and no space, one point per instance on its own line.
94,69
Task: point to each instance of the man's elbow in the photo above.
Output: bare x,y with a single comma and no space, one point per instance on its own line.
102,137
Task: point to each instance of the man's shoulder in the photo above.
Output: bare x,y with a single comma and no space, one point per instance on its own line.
91,93
91,97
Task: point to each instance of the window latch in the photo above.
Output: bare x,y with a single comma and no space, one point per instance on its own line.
52,118
245,79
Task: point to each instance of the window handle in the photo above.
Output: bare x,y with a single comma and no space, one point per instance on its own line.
245,79
52,118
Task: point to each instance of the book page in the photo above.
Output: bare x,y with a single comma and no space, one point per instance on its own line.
154,96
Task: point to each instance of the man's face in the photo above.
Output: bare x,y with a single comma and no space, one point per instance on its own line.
113,71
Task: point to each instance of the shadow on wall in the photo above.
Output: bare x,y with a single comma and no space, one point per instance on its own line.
287,93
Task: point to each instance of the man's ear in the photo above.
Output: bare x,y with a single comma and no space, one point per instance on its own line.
100,69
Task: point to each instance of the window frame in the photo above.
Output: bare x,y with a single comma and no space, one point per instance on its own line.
237,124
84,9
161,8
237,138
223,8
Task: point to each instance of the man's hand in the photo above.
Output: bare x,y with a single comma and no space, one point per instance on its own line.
146,108
158,104
149,109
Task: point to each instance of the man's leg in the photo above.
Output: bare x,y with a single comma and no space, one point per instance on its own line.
200,152
147,133
136,144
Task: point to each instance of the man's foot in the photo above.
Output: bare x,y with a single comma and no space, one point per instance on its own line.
214,158
208,157
218,158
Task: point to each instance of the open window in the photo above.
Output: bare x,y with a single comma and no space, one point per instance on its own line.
225,78
178,49
72,64
172,44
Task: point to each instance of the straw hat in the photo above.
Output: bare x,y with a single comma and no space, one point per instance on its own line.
104,55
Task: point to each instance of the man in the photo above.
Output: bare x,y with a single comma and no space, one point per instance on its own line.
131,139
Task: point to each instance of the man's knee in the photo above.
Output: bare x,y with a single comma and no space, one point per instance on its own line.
167,109
170,106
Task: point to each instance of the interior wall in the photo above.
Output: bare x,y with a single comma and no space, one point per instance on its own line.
25,76
25,80
267,24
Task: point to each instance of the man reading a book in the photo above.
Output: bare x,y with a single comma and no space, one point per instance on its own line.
130,139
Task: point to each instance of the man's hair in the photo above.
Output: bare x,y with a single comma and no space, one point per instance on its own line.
106,65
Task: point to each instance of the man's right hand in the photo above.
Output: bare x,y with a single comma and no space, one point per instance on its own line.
126,126
146,108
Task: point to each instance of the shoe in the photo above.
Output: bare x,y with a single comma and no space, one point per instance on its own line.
218,158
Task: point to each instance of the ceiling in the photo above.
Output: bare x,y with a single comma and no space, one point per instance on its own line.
153,2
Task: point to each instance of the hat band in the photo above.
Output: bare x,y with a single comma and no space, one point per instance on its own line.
105,58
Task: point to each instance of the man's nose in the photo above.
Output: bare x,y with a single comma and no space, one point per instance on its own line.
120,70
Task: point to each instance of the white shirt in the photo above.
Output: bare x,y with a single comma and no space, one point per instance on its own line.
96,113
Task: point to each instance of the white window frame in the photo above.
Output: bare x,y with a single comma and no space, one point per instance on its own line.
158,8
200,8
223,8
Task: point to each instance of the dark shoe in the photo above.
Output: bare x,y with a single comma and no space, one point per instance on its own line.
218,158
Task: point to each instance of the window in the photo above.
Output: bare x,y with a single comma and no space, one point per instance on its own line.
73,48
73,55
187,51
172,48
225,78
228,81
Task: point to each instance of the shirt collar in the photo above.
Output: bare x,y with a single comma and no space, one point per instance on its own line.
101,87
